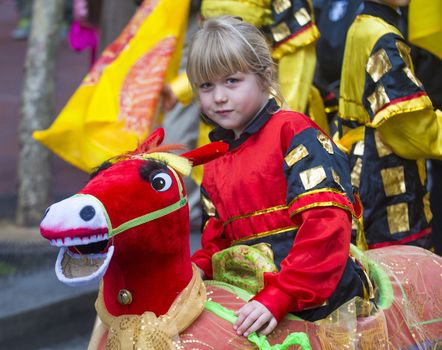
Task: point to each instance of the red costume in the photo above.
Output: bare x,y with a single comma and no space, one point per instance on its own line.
284,182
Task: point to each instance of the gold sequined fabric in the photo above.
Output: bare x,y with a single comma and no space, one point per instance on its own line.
147,331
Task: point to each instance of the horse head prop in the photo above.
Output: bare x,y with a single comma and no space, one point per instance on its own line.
130,226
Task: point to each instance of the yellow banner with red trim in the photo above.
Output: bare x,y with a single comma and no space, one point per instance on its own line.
117,103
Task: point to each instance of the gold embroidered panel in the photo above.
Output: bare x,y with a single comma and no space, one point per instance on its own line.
325,142
378,64
381,147
302,16
356,173
255,213
397,217
312,177
336,178
281,5
295,155
404,52
412,77
208,206
378,98
427,209
281,31
393,180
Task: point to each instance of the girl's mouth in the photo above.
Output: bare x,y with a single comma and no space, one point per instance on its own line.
224,112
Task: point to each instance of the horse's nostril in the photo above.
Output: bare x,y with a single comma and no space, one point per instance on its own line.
87,213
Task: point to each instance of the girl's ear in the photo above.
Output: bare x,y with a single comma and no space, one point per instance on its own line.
268,74
206,153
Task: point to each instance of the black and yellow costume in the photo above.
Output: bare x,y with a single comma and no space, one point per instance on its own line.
389,128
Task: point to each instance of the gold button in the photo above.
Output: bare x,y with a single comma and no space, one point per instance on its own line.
124,297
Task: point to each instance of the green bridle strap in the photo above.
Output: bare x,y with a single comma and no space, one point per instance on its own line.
148,217
144,218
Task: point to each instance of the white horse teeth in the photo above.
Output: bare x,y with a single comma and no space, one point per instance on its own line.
68,241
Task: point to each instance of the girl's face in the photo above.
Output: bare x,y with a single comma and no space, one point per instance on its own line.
232,101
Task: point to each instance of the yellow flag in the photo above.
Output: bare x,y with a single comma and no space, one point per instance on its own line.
116,104
425,25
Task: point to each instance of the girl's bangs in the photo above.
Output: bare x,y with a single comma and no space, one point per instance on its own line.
219,58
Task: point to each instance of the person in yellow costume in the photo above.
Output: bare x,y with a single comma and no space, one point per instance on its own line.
389,128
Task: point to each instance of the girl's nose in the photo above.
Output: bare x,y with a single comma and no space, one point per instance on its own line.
219,95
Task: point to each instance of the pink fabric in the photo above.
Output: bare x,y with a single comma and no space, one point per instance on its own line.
82,37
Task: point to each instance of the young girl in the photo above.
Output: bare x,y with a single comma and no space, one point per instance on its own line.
282,182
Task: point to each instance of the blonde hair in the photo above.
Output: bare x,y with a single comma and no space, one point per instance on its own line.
226,45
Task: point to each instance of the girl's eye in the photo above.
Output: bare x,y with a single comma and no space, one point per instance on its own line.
161,182
205,86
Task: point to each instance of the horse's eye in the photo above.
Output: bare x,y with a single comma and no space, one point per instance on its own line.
161,182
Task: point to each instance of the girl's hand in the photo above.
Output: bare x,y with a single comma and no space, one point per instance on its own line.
252,317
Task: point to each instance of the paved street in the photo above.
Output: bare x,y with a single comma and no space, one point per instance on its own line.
38,312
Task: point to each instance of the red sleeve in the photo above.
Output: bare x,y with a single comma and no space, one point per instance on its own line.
311,271
212,241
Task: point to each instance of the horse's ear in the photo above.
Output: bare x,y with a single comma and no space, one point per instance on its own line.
206,153
154,140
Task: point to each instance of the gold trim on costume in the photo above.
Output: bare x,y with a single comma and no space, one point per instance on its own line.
322,204
147,331
378,64
412,77
336,178
422,170
302,39
312,177
295,155
281,5
319,190
381,147
404,52
356,173
427,209
378,98
256,213
393,180
208,206
397,217
281,31
415,104
325,142
265,234
302,16
331,109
